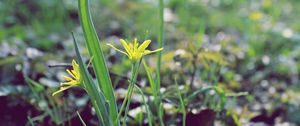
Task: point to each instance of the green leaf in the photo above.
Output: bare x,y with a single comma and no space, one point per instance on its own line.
149,115
191,97
35,85
96,52
97,97
182,104
153,85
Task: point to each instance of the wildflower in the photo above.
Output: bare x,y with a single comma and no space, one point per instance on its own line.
133,50
256,16
72,81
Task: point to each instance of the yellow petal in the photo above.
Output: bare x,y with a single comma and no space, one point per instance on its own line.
126,46
75,66
76,74
73,82
146,52
144,45
131,49
117,49
136,44
61,90
69,72
68,78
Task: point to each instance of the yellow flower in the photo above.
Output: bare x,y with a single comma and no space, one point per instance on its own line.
134,51
72,81
256,16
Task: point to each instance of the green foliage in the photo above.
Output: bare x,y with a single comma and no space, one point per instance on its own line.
97,97
236,58
95,51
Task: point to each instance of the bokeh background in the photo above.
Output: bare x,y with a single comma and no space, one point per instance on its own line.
241,45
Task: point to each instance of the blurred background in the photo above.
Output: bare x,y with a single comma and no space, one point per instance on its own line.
240,45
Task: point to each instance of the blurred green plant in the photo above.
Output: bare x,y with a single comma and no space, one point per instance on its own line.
57,111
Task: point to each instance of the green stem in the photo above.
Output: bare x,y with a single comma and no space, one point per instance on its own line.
126,98
160,39
135,69
80,118
159,55
184,119
160,113
123,105
182,104
145,104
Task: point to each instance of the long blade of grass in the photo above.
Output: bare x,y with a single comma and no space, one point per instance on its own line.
160,39
192,96
135,69
155,92
182,104
149,115
153,86
95,51
97,97
81,120
160,45
30,121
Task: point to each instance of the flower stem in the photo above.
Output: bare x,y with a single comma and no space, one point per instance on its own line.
135,69
127,100
159,55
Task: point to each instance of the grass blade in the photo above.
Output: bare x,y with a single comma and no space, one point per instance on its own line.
81,120
95,51
97,97
159,55
149,115
155,92
182,104
160,39
153,85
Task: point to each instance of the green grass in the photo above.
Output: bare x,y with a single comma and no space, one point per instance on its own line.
210,76
158,64
95,51
97,97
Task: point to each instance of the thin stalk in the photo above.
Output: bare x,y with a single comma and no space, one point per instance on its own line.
145,104
160,40
155,91
123,105
160,113
83,123
182,104
159,55
30,121
126,97
184,118
135,69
